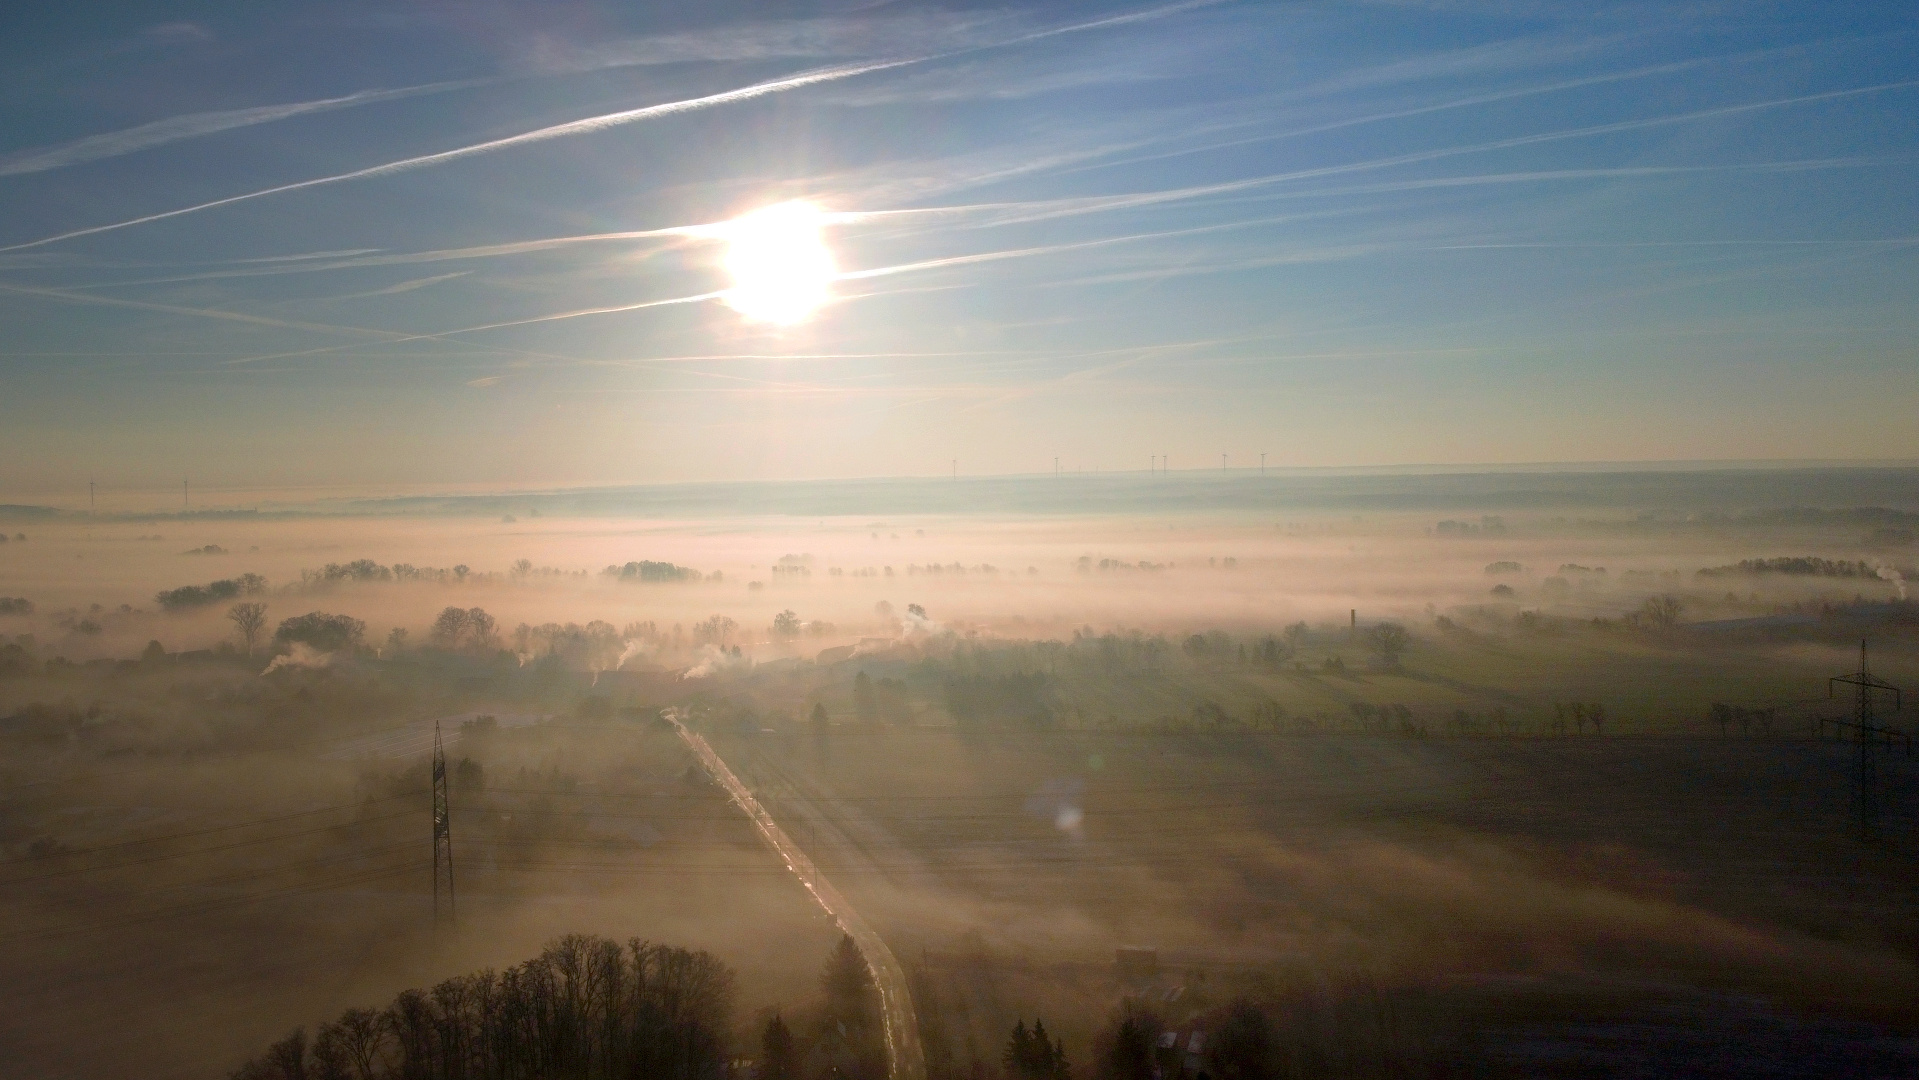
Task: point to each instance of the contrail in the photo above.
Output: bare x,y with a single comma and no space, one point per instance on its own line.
1422,110
385,337
348,260
1053,249
205,313
616,119
193,125
1114,20
568,315
1407,185
328,261
572,127
1095,204
402,339
1050,208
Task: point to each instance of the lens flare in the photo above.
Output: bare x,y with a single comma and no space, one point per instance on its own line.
781,268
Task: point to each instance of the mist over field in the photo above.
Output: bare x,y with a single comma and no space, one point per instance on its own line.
1450,758
959,540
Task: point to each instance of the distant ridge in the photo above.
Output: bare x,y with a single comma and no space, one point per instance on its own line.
1862,495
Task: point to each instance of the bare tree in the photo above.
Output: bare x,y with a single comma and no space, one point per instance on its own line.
1389,640
717,630
465,628
585,1007
1662,611
362,1037
250,619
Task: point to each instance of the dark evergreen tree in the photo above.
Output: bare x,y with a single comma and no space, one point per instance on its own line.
1125,1049
779,1057
1244,1047
851,1043
1033,1055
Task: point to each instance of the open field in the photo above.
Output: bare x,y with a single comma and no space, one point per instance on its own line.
1425,783
1503,882
260,888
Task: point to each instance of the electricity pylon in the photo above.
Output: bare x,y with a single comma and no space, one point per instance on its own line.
442,835
1865,726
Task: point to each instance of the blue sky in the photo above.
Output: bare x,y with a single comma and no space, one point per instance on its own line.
1335,234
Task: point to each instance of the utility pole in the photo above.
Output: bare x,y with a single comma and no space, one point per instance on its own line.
1262,463
1869,733
1222,463
1055,465
442,835
956,468
186,498
90,506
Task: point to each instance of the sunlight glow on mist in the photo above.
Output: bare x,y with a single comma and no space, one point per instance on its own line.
781,268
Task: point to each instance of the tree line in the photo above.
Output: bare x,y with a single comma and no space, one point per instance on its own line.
590,1008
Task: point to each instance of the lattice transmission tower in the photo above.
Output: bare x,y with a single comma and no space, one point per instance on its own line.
442,837
1865,727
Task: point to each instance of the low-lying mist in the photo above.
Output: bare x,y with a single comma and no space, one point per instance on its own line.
1454,777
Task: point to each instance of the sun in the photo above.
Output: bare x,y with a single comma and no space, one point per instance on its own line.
781,268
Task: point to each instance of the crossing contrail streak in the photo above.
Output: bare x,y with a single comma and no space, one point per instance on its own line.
402,339
572,127
204,313
194,125
616,119
1099,203
1422,110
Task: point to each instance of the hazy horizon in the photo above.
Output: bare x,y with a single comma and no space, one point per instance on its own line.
404,250
959,540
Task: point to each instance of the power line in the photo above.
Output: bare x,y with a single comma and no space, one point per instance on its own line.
221,828
196,851
212,905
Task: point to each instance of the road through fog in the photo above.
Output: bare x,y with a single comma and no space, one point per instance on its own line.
905,1059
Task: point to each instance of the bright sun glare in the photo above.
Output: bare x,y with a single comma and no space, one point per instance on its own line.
781,268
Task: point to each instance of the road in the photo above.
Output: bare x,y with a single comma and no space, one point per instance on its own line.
906,1059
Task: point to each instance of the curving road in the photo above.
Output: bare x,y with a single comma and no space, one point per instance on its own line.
906,1059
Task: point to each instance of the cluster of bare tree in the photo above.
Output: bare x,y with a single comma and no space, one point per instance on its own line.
320,631
465,628
596,645
1747,719
1218,647
649,571
1657,613
586,1008
1800,566
717,630
362,570
187,597
1579,714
